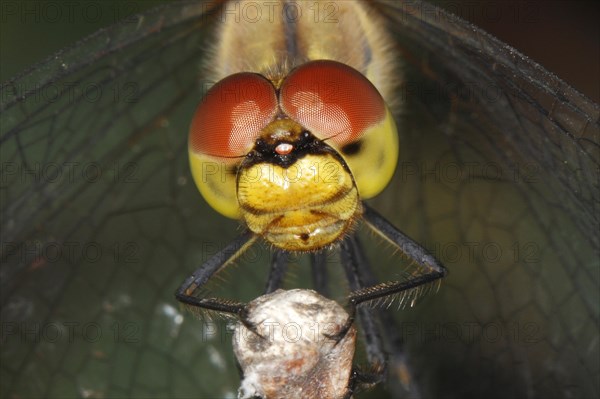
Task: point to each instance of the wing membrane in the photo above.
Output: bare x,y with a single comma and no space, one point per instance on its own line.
497,154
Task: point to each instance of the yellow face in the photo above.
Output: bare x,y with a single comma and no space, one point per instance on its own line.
292,158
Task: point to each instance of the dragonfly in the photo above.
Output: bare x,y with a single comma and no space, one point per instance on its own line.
289,141
497,177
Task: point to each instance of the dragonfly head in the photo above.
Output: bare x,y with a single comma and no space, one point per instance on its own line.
293,158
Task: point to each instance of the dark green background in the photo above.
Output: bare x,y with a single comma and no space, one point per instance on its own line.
162,213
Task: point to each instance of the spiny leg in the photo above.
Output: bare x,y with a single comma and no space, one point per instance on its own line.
279,264
365,287
201,276
374,346
397,361
318,265
433,269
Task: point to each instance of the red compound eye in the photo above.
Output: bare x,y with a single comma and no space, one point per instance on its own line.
232,114
331,100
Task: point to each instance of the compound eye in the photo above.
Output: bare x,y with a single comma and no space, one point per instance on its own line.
332,100
232,114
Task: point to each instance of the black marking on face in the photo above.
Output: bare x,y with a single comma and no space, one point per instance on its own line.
352,148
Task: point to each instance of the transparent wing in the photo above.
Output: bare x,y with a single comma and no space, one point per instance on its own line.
499,178
101,221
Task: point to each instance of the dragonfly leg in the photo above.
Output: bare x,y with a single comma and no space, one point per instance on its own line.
433,269
320,278
397,360
351,255
279,264
365,288
185,293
